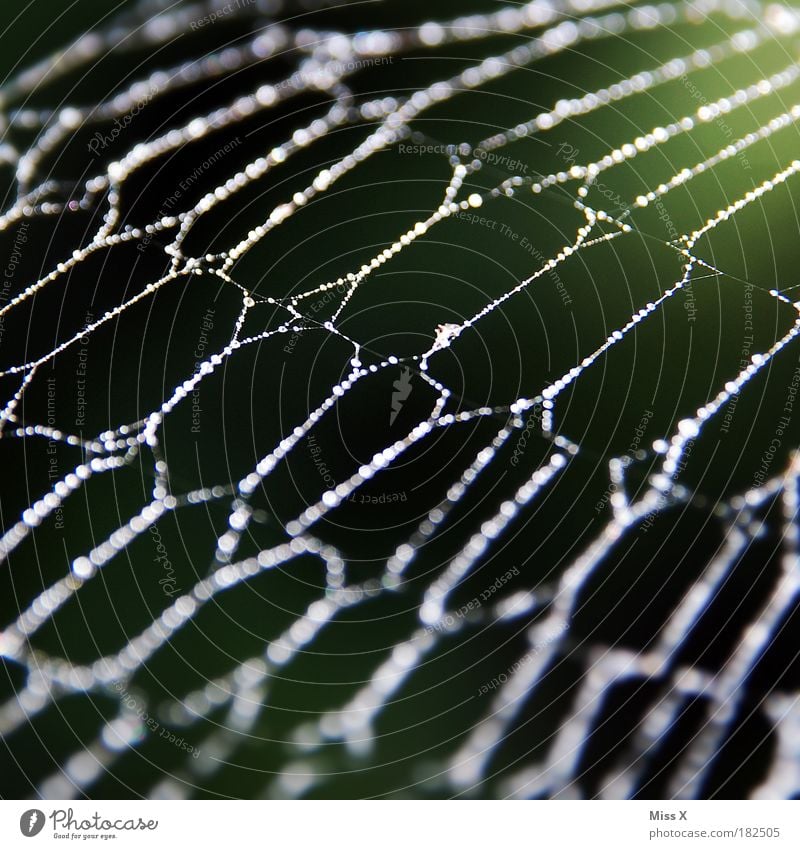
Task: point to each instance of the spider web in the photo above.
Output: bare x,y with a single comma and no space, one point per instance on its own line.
661,685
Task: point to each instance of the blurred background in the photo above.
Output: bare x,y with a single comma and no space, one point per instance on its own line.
672,362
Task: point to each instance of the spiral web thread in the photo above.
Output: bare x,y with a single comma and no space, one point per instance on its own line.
326,60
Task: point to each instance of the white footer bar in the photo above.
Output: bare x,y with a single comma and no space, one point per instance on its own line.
401,824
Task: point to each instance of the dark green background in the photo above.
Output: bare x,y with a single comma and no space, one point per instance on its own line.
669,366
